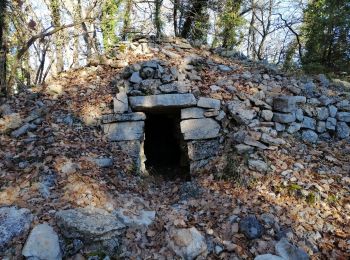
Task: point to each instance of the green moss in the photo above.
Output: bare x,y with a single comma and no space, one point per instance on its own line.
294,187
311,198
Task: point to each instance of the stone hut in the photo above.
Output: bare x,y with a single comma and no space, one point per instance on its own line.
160,124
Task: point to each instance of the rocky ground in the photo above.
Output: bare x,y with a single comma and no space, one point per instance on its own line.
277,189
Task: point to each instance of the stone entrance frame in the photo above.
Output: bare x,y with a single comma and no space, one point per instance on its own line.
200,125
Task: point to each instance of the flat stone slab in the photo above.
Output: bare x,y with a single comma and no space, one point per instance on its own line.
196,129
124,131
209,103
112,118
199,150
120,103
192,113
143,103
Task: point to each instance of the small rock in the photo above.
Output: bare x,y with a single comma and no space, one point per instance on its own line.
135,219
284,104
268,257
42,243
289,251
309,89
135,78
242,149
265,138
257,165
299,114
293,128
331,123
309,136
322,113
224,68
187,243
251,227
267,115
321,127
121,103
23,130
332,111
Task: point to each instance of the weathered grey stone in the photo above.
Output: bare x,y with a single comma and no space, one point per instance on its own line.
221,116
88,224
323,80
268,257
332,111
168,88
211,113
102,162
188,243
162,101
343,130
14,222
199,150
265,138
251,227
289,251
309,89
135,78
23,130
284,118
267,115
135,218
150,86
322,113
241,112
224,68
280,127
284,104
258,165
309,123
250,141
120,102
299,114
112,118
192,113
343,116
124,131
293,128
147,73
325,101
309,136
242,149
209,103
321,127
300,99
343,105
194,129
331,123
314,102
42,243
151,63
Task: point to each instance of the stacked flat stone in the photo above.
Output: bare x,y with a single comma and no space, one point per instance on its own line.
152,87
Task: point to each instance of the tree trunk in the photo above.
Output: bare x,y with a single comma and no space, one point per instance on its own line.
56,20
157,17
127,21
176,7
196,8
3,49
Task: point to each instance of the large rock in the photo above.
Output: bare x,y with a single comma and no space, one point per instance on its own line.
142,103
241,112
288,251
188,243
135,78
195,129
199,150
251,227
112,118
121,103
271,140
284,118
14,222
331,124
192,113
258,165
322,113
209,103
343,130
124,131
42,243
89,224
284,104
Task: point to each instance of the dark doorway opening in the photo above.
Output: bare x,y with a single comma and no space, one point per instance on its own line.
165,149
